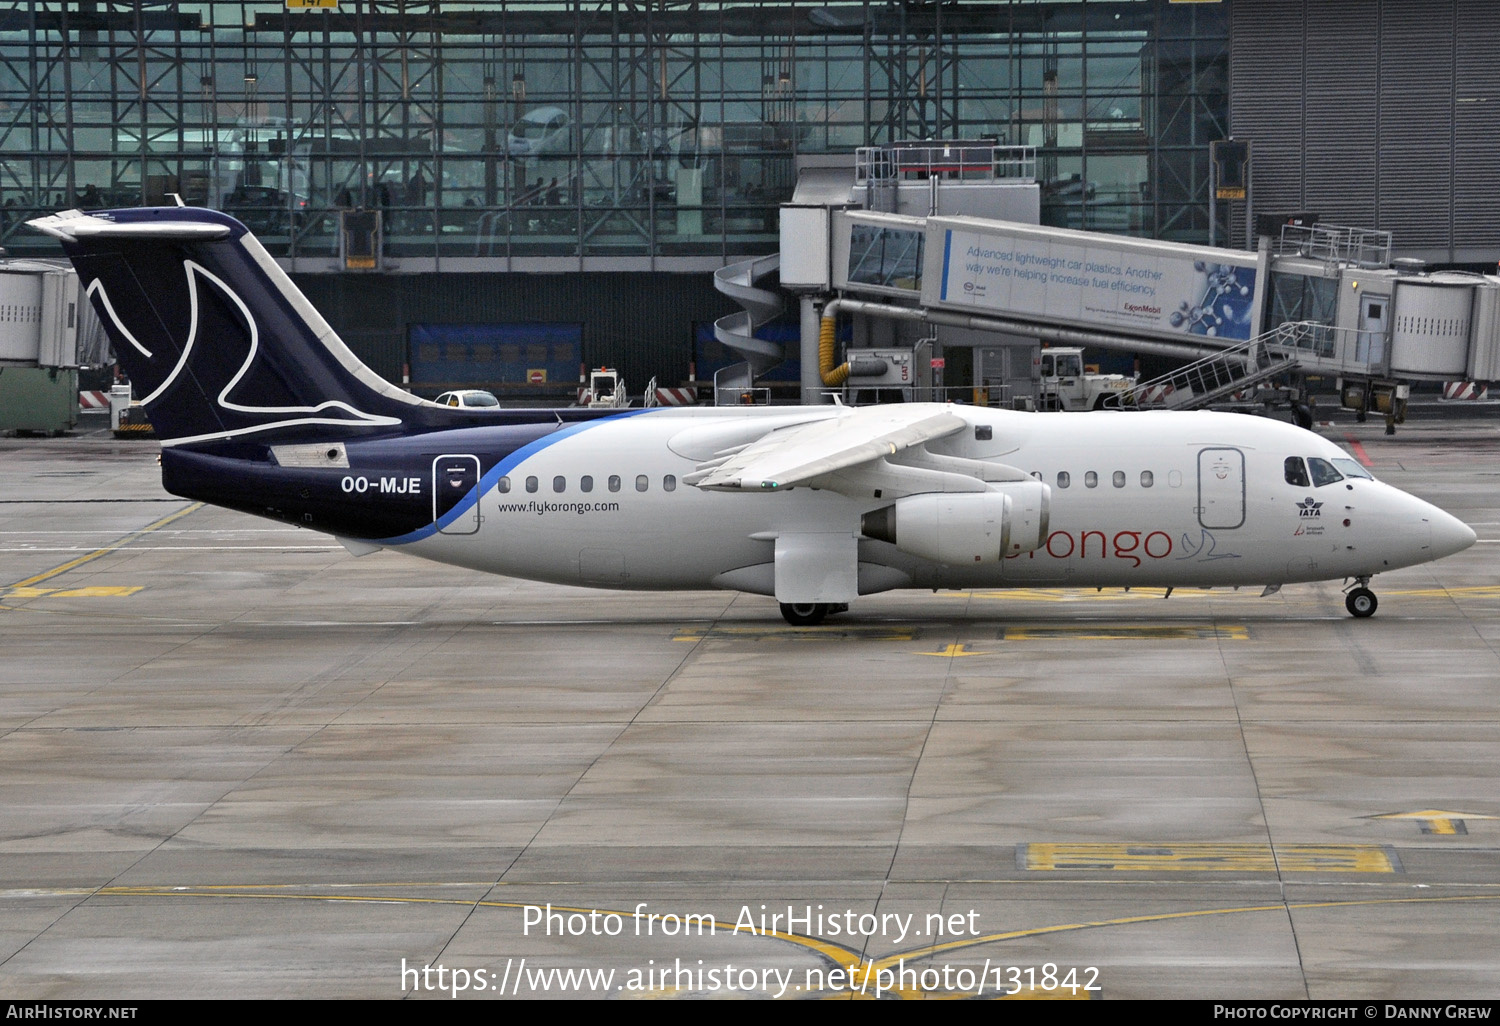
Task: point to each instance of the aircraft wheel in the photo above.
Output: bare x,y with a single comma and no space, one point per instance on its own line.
1361,602
804,614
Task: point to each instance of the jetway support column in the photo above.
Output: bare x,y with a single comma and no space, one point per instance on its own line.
812,379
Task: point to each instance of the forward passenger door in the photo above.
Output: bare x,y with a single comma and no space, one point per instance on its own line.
1221,488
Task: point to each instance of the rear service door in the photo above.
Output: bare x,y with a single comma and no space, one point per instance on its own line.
1221,488
455,483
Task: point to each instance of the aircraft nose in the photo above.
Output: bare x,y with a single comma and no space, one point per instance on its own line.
1449,534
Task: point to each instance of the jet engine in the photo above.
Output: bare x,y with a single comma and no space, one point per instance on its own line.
959,528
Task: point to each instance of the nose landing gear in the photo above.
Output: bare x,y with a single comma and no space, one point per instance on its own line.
804,614
1361,601
810,614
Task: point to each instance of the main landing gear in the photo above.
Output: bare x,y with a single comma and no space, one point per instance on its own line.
810,614
1361,601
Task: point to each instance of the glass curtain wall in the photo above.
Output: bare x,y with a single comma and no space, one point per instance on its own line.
520,129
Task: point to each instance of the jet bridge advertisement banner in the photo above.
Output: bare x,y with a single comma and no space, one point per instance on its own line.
1097,281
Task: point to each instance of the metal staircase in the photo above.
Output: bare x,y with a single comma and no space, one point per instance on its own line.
1223,375
737,330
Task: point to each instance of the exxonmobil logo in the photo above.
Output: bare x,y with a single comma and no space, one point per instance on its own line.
1142,308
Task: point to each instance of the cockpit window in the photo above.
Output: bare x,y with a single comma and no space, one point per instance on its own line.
1322,472
1296,472
1353,469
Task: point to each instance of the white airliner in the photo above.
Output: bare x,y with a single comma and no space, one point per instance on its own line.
261,408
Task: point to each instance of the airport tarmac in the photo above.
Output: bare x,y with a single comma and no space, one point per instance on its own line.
236,761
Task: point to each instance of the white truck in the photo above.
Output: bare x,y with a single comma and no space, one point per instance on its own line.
1064,386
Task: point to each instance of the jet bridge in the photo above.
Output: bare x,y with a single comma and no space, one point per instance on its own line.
1382,318
1057,284
1323,300
944,234
915,238
47,332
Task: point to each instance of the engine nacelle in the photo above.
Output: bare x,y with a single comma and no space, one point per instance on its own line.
959,528
1030,513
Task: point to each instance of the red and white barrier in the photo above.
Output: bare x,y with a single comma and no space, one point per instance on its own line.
1153,395
676,397
89,402
1465,390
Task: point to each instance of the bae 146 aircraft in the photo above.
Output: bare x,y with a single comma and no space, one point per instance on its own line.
261,408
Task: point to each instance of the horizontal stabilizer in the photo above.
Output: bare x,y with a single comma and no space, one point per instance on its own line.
74,224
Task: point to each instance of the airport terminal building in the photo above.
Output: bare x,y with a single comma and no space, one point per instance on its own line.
476,191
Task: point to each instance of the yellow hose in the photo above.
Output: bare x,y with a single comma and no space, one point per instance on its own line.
833,376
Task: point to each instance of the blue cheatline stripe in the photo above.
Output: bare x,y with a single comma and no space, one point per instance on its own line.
947,249
499,470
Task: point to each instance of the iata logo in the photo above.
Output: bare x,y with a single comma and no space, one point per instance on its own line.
1309,508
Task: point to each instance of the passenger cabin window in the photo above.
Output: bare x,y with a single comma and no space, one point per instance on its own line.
1322,472
1091,480
983,432
502,485
559,483
586,483
1174,478
1118,479
669,483
1063,479
1296,472
642,482
531,484
614,482
1147,479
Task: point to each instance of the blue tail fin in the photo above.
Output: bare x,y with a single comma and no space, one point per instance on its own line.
216,339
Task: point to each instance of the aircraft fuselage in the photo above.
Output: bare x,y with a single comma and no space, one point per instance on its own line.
1137,499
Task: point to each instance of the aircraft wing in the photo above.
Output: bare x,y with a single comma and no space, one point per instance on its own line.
799,454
